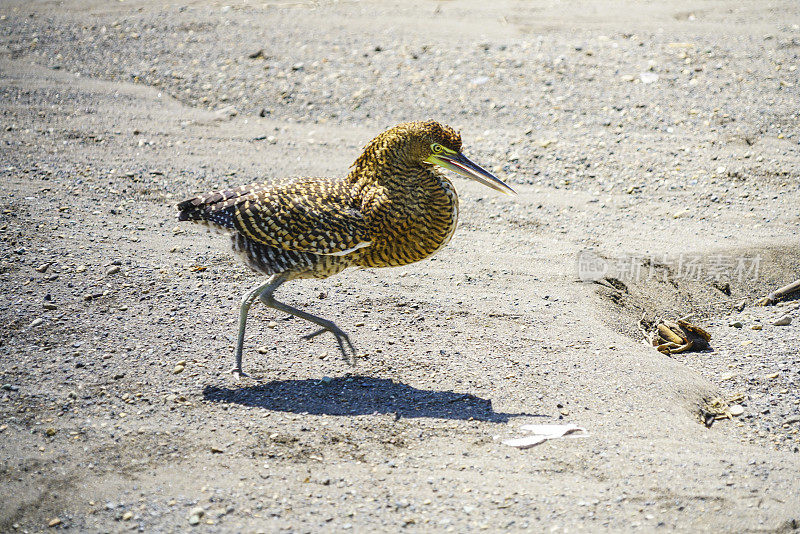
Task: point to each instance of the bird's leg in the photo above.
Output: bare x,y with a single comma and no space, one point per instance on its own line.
329,326
266,288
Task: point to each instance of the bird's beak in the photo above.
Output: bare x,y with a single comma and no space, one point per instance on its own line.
458,162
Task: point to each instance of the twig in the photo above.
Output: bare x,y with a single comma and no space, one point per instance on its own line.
773,297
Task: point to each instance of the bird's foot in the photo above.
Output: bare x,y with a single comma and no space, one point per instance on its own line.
238,374
341,338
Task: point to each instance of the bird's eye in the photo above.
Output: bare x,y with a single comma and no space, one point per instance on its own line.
437,148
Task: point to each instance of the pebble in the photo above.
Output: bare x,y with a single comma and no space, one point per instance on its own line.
680,213
786,320
49,306
112,270
43,268
737,324
272,324
648,77
756,327
36,322
54,522
195,514
50,432
227,112
178,369
736,410
127,516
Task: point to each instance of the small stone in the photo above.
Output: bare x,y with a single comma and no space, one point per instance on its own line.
272,324
54,522
680,213
43,268
772,375
178,369
227,112
756,327
736,410
50,432
36,322
786,320
217,450
648,77
119,376
127,516
737,324
195,514
740,305
112,270
49,306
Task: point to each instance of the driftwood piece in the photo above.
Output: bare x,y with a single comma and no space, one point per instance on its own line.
776,295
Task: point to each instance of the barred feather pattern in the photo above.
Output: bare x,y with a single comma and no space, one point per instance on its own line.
391,209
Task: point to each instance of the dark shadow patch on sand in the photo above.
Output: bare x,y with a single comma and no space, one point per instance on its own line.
360,395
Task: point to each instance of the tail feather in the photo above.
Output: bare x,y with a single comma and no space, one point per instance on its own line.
215,208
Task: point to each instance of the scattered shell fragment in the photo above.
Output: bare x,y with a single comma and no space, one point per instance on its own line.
736,410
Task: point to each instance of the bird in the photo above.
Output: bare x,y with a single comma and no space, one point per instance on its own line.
394,207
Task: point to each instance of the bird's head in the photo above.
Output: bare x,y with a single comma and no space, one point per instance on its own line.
422,144
437,144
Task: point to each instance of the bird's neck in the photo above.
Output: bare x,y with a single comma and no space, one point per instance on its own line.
391,169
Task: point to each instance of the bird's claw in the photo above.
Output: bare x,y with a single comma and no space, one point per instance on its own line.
340,335
238,374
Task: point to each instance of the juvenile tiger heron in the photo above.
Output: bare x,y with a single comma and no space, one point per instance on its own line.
395,207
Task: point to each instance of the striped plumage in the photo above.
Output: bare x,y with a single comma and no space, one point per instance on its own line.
394,207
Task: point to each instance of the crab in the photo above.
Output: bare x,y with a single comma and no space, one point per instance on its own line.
679,336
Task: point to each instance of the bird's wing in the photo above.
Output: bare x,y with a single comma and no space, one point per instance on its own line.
312,216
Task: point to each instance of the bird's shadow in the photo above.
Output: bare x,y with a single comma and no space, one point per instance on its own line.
359,395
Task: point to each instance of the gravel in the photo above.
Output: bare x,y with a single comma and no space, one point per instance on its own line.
643,130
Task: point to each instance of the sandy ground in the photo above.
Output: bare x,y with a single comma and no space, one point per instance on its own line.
662,133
